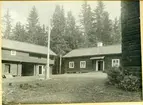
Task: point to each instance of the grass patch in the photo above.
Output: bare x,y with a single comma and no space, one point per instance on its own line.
67,90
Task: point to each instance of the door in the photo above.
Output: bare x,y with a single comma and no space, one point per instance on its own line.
100,65
40,69
7,68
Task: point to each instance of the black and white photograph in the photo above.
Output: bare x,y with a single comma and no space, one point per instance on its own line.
61,52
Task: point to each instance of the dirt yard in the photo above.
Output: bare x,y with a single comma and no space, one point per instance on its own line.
66,88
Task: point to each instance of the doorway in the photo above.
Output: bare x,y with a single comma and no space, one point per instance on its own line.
27,69
40,69
99,65
7,68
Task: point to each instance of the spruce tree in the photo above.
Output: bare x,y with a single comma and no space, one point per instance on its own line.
98,20
32,26
102,24
42,35
72,33
58,43
19,32
7,22
116,31
107,29
86,19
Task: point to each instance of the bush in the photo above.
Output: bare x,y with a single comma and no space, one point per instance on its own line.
122,79
115,75
130,83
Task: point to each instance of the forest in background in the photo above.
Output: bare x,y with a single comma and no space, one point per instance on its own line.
95,26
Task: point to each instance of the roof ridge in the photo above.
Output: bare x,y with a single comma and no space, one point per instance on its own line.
96,47
23,42
7,43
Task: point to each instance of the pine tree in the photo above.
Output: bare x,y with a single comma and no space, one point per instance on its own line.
19,32
7,20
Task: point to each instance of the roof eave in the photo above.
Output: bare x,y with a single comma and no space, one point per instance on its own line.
90,55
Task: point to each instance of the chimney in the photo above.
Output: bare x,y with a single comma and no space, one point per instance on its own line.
99,44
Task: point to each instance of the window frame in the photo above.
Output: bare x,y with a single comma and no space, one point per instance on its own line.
13,52
115,62
84,64
71,62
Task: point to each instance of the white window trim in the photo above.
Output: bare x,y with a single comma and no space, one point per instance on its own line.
81,63
115,60
70,64
13,52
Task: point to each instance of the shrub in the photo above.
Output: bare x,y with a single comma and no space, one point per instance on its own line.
115,75
130,83
122,79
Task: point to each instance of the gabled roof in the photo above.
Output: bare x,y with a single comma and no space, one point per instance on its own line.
104,50
26,47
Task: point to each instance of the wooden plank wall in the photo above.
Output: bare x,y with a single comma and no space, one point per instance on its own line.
25,57
89,63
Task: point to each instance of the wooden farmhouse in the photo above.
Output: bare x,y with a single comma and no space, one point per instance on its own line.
99,58
24,59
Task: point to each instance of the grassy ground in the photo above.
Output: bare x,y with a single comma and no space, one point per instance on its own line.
68,88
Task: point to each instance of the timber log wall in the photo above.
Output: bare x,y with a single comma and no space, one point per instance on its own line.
131,41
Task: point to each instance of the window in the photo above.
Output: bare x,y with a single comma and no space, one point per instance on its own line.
71,64
13,52
40,69
82,64
115,62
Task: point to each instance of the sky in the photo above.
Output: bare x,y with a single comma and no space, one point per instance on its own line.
19,10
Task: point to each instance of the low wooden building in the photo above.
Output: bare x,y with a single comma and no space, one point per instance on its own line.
99,58
24,59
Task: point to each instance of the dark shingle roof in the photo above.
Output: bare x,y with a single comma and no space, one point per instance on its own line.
104,50
26,47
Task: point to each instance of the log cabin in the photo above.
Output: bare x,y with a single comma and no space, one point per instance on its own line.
24,59
100,58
